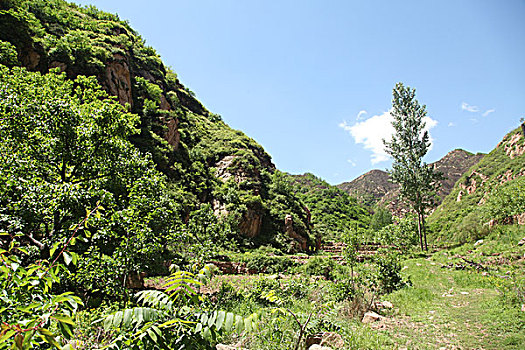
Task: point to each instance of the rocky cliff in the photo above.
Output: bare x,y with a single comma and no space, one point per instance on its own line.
376,187
198,152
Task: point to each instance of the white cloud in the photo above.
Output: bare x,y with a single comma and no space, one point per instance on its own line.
361,114
351,162
466,107
451,124
488,111
373,130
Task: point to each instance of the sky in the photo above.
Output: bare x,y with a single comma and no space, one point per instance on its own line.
312,81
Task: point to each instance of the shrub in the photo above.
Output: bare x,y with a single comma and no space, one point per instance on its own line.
342,290
389,272
269,263
318,266
402,234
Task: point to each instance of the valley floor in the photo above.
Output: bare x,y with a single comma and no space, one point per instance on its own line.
452,309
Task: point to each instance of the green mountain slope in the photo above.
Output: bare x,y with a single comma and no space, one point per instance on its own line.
333,211
205,160
465,213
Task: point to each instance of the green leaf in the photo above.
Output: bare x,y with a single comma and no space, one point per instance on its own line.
64,319
152,335
126,319
248,324
228,323
53,249
212,318
117,319
198,327
239,324
7,335
221,315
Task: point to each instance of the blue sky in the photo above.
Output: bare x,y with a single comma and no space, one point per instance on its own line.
312,80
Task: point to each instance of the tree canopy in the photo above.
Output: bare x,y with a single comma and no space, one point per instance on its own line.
410,143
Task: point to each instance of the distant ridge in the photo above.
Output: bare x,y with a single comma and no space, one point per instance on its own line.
375,186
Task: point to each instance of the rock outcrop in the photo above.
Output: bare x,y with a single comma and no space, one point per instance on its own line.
300,242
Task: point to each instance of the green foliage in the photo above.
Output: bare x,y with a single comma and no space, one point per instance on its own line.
268,263
31,316
382,217
389,272
204,236
465,220
402,234
174,319
418,182
8,55
64,148
332,210
319,266
343,290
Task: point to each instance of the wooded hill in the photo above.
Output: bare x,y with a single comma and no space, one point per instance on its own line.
491,192
203,160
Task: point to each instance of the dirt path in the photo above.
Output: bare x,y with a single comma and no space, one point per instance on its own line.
449,309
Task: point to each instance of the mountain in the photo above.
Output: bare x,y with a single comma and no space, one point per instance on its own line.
204,160
370,187
375,186
333,211
492,190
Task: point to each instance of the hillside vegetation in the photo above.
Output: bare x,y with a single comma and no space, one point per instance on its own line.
203,159
131,217
333,211
491,190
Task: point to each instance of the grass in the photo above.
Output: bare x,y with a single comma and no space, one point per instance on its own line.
456,308
450,305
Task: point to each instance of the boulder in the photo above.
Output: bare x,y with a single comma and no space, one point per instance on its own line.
228,347
319,347
371,317
325,340
385,305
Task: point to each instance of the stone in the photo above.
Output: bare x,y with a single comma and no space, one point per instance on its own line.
319,347
478,242
228,347
371,316
385,305
325,340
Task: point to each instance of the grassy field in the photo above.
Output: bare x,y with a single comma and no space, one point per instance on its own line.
469,297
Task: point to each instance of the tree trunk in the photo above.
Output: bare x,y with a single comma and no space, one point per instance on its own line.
419,230
424,231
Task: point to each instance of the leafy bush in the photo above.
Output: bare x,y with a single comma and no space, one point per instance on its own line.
342,290
31,316
268,263
389,272
318,266
402,234
174,319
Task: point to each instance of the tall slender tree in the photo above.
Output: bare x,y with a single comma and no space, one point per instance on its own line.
418,182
